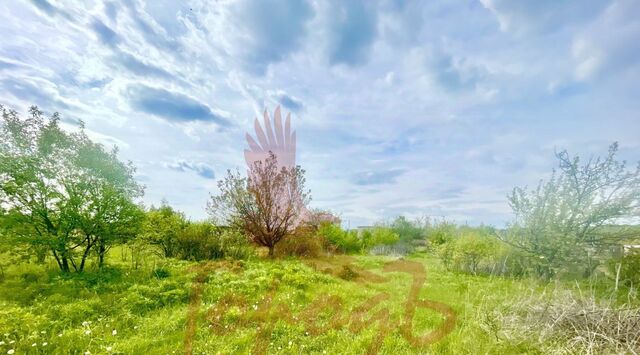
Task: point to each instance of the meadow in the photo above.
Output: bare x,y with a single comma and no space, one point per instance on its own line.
282,306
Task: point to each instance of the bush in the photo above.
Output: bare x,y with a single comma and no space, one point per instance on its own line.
407,230
303,243
473,252
379,236
441,233
202,241
629,268
344,241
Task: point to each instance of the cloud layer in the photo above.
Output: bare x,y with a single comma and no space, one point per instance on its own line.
418,108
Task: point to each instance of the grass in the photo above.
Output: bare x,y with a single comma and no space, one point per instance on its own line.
333,305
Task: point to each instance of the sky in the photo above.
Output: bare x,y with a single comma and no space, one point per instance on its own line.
416,108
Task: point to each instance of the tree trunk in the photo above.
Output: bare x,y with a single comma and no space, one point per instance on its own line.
85,254
271,250
102,250
65,264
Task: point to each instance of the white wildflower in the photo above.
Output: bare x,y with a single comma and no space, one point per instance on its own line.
34,344
114,332
87,332
45,344
1,342
11,351
109,348
60,334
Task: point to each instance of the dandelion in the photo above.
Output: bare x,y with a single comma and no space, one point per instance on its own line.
11,351
85,324
87,332
290,343
114,332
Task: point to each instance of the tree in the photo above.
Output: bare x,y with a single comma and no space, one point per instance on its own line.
380,235
62,192
161,227
560,224
407,230
267,205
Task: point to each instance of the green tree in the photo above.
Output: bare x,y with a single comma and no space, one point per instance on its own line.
407,230
161,228
62,192
561,223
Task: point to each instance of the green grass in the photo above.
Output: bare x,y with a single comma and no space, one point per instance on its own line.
149,311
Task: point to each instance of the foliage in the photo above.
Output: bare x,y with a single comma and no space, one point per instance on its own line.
63,193
161,228
344,241
304,242
380,236
267,205
440,233
408,230
629,265
204,241
315,217
560,224
472,252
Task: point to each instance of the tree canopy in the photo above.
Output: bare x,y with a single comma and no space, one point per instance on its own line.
61,192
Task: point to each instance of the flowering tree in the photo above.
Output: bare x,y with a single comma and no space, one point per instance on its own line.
563,222
267,205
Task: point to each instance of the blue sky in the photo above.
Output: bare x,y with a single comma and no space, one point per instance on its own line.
419,108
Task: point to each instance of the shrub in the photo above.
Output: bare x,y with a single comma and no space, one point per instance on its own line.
380,236
344,241
629,268
303,243
441,233
201,241
407,230
473,252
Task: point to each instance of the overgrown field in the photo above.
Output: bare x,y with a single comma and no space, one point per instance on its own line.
333,305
